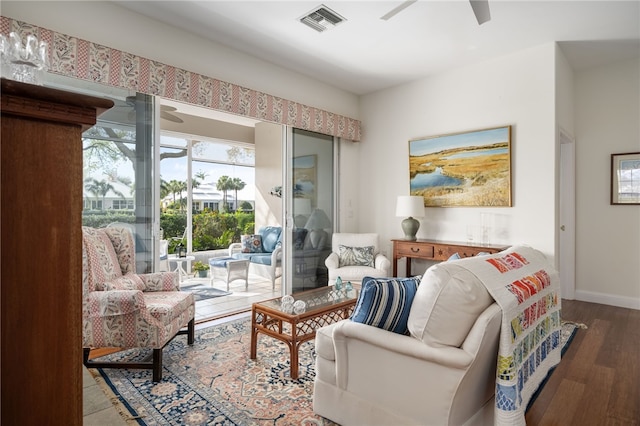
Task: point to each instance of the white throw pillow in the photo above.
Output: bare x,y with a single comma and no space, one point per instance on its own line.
447,304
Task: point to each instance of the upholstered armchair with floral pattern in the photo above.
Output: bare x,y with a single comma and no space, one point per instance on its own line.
355,256
123,309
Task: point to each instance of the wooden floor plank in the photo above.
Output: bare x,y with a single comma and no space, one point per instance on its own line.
564,405
590,346
624,403
598,391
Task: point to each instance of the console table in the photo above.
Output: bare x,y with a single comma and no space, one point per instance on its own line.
436,250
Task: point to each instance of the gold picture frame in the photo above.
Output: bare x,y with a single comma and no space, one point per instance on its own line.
625,178
467,169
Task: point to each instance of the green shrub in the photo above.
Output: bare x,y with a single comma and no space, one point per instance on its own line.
101,218
173,224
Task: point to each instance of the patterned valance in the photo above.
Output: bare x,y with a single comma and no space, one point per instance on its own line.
77,58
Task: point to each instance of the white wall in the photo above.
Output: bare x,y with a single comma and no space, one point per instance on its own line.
515,90
111,25
607,117
268,208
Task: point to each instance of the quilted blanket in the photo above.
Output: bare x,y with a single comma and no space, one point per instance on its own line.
527,288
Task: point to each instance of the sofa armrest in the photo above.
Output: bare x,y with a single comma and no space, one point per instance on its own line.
382,263
332,261
276,255
160,281
114,303
235,248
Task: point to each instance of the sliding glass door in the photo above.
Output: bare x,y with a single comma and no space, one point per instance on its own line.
118,173
309,208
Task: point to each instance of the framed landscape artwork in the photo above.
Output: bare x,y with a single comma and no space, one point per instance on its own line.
462,169
304,178
625,178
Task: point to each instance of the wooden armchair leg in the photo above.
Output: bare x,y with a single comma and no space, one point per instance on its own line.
191,331
157,365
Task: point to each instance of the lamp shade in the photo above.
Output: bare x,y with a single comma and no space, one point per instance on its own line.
318,220
410,206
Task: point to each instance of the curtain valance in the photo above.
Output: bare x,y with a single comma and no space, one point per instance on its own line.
77,58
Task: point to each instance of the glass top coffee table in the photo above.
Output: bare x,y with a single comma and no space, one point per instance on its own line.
324,306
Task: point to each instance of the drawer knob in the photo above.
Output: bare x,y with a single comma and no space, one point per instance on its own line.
415,249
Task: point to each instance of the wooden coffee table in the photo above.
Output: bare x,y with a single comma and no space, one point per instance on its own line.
325,306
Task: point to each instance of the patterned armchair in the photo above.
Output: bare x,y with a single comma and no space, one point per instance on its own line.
123,309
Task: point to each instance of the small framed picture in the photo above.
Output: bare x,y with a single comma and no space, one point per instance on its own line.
625,178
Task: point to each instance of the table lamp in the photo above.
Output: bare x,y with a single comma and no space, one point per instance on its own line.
411,206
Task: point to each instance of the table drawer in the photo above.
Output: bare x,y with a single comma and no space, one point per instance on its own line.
462,252
415,250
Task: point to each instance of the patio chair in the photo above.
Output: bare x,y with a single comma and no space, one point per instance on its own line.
122,309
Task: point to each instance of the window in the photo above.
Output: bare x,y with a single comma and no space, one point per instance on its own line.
123,204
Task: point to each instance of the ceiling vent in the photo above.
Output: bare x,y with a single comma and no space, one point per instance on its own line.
322,18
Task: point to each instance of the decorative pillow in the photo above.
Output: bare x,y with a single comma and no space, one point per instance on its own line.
125,282
271,236
251,243
385,302
446,305
355,256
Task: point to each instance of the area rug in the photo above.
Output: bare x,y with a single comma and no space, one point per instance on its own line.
215,382
203,292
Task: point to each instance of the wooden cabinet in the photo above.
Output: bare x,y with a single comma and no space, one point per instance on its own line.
436,250
41,251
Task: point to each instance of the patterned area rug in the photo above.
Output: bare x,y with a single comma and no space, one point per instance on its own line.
202,291
215,382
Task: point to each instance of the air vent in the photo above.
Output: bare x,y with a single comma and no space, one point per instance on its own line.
321,18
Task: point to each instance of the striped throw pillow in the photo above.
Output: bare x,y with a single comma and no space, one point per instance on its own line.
385,302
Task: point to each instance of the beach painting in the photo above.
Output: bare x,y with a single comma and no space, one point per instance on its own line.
462,169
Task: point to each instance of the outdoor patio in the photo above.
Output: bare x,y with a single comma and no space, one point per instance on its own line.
239,299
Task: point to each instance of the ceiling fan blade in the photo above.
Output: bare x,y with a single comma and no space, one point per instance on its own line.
481,10
170,117
393,12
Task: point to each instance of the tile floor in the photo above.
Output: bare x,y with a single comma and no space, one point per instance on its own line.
98,409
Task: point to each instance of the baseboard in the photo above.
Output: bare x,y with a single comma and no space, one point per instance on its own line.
608,299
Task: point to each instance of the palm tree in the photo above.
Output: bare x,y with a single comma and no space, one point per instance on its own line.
100,188
197,179
176,187
224,184
237,185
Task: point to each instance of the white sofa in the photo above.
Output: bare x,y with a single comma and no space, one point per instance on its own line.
442,372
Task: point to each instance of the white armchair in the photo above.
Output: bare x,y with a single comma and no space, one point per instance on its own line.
355,256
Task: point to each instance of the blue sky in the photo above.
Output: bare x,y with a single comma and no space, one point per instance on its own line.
439,143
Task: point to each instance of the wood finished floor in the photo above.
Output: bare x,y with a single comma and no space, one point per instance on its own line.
598,379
